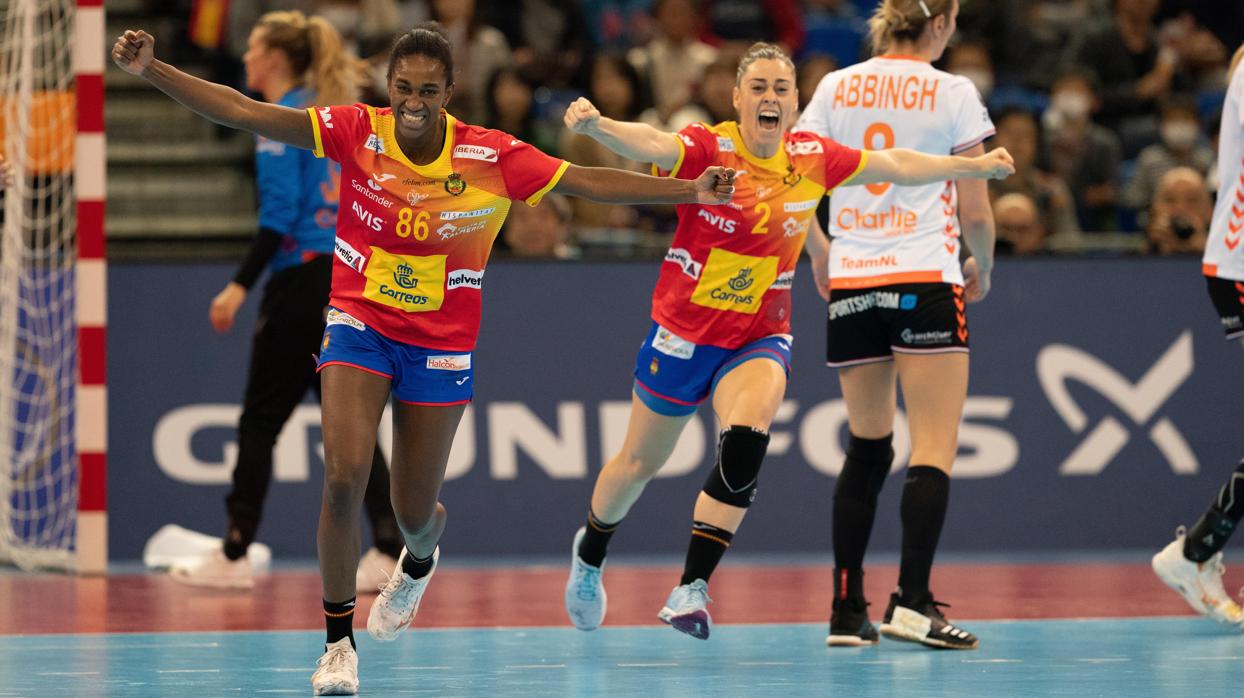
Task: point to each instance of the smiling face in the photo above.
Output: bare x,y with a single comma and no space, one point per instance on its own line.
766,102
417,93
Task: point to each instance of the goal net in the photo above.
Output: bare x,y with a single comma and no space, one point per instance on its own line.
40,478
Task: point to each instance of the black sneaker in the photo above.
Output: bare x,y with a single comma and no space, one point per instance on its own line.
849,625
923,622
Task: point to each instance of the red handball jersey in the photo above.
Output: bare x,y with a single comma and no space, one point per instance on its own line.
413,240
727,277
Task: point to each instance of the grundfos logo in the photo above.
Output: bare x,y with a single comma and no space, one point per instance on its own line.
1059,363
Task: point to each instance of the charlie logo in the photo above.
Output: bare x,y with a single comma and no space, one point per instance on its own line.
455,184
403,276
742,281
1140,402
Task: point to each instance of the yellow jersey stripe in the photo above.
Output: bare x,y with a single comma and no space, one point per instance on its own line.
858,169
315,129
535,198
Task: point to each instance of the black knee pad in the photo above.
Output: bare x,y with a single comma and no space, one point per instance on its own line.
866,468
740,451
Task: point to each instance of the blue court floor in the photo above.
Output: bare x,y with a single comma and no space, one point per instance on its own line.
1145,657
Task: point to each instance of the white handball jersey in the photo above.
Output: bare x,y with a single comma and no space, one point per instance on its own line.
1224,253
885,234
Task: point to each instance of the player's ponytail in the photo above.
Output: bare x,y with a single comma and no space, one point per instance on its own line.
317,55
903,20
334,74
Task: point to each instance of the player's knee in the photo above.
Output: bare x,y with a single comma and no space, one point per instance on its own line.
417,521
341,492
639,468
740,451
867,465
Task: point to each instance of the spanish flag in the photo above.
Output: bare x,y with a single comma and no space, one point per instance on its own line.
208,20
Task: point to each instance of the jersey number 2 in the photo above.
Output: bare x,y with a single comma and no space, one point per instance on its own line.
878,128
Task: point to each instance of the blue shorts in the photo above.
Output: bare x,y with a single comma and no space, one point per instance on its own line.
420,376
673,376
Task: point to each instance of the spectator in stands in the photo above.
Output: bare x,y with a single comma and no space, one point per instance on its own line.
1020,230
1202,54
1135,69
1027,38
811,69
1085,155
717,89
551,39
744,21
479,51
1180,214
971,60
508,107
1181,146
831,9
615,89
673,62
1020,134
540,231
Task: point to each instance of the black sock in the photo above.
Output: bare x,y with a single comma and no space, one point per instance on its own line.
848,584
416,568
339,621
596,540
926,493
855,497
708,544
236,543
1215,527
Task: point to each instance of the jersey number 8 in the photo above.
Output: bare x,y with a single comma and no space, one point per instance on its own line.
878,128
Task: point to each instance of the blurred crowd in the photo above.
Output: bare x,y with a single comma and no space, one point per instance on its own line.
1110,107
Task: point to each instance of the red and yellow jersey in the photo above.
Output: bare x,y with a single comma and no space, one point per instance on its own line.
413,240
727,276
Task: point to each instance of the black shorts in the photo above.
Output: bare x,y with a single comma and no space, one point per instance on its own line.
1228,298
867,325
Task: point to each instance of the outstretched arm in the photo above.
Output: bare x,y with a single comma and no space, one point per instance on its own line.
629,139
910,168
134,52
607,185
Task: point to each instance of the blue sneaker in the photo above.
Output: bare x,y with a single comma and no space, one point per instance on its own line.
687,610
585,591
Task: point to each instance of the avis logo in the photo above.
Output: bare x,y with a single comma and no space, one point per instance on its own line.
1059,363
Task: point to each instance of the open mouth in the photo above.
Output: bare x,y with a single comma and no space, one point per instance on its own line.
414,119
769,119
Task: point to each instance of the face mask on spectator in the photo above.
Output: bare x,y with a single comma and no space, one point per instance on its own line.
983,79
1073,105
1179,135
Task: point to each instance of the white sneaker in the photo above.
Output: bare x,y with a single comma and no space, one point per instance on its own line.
1199,584
687,609
215,571
398,602
373,572
586,600
338,670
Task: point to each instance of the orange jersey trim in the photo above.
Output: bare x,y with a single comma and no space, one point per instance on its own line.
315,130
557,177
1210,270
904,277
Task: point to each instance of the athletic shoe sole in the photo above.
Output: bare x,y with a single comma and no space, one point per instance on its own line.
896,632
697,624
341,688
848,641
